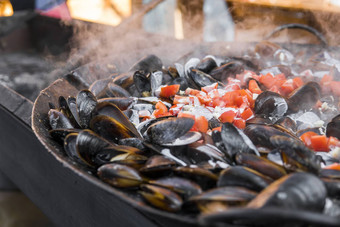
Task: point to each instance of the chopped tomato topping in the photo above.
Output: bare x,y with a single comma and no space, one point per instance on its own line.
254,87
319,143
209,88
305,137
227,116
246,114
335,166
169,90
217,129
335,87
183,100
239,123
267,80
201,124
297,82
191,91
287,87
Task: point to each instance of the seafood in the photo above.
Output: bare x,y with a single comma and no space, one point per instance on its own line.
209,136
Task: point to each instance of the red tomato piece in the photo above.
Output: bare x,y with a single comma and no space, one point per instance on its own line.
287,87
201,124
335,86
267,80
217,129
319,143
333,142
305,137
209,88
160,105
239,123
188,115
227,116
169,90
254,87
326,79
183,100
297,82
246,114
174,110
190,91
280,76
335,166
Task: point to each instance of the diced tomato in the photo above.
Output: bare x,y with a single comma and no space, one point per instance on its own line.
280,76
160,105
335,166
191,91
169,90
335,86
239,123
246,114
287,87
319,143
239,100
174,110
326,79
188,115
203,98
305,137
183,100
267,80
297,82
159,113
209,88
254,87
201,124
217,129
274,89
227,116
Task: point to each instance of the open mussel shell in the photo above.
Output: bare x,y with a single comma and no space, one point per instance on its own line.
70,147
166,131
59,134
119,176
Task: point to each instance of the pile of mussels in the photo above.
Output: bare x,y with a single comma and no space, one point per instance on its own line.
212,144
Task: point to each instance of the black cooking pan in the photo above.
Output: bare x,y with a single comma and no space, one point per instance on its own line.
69,195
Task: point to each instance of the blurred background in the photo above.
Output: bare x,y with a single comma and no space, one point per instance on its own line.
41,40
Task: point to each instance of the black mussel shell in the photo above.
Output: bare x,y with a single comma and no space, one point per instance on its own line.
235,141
122,103
158,165
59,120
260,164
202,79
166,131
304,98
86,106
60,133
99,86
149,63
270,104
119,176
243,177
206,64
333,127
227,70
114,90
161,198
295,155
110,129
142,83
297,191
184,187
